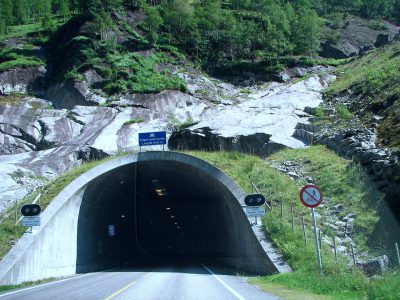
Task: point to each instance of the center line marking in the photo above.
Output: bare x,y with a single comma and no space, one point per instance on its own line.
120,291
236,294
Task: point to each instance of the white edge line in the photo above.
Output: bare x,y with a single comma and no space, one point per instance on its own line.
45,284
236,294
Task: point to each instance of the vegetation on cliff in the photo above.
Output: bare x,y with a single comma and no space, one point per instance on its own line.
374,85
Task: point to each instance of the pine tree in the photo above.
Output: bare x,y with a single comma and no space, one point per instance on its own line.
21,11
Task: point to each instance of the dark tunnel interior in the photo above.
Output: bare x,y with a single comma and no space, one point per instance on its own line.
156,211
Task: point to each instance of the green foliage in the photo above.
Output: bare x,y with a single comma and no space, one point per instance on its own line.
134,121
217,37
14,57
96,7
343,112
174,124
344,182
320,112
376,77
378,26
385,288
131,72
337,278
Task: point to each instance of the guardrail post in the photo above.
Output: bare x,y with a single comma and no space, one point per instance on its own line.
334,248
352,255
397,252
304,231
292,214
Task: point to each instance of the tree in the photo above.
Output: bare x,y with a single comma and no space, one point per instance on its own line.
6,12
179,19
48,23
306,32
61,7
152,23
377,8
21,11
95,7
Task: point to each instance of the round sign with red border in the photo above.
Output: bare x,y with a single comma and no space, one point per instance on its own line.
311,196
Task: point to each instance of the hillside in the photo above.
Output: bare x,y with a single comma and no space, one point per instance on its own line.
370,87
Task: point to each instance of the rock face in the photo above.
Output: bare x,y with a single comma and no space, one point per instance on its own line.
374,266
205,139
22,80
48,137
382,165
356,35
71,93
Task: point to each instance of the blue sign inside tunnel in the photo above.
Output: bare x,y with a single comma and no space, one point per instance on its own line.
153,138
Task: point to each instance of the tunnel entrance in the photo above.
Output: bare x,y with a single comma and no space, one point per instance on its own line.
145,208
155,211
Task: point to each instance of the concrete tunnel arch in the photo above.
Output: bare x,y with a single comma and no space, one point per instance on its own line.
204,201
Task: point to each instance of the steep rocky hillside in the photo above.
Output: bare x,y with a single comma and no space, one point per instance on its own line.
361,117
90,97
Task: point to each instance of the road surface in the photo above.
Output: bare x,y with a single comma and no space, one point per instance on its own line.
175,283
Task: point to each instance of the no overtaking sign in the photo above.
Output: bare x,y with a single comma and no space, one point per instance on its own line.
311,196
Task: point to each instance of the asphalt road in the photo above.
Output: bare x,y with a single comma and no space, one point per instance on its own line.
184,282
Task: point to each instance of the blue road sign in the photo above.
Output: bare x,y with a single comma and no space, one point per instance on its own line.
153,138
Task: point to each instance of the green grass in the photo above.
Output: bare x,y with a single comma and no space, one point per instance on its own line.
134,121
376,79
385,288
22,31
343,182
343,112
33,31
16,58
4,288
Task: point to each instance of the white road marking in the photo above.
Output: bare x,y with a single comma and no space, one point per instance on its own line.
45,284
236,294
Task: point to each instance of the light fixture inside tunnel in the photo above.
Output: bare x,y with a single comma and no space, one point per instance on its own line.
160,190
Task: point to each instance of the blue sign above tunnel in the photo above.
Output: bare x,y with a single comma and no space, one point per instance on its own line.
152,138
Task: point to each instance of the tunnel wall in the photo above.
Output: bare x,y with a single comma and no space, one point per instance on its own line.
51,249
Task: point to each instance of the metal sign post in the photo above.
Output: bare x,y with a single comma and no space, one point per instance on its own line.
316,241
254,206
311,196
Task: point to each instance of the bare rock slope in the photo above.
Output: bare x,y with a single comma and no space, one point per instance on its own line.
37,139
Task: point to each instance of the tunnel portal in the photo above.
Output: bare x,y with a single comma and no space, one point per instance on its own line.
151,207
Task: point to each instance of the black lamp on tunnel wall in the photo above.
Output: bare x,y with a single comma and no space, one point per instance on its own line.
158,188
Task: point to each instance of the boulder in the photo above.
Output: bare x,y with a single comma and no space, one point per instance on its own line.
205,139
382,40
365,49
22,80
87,153
70,93
375,266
